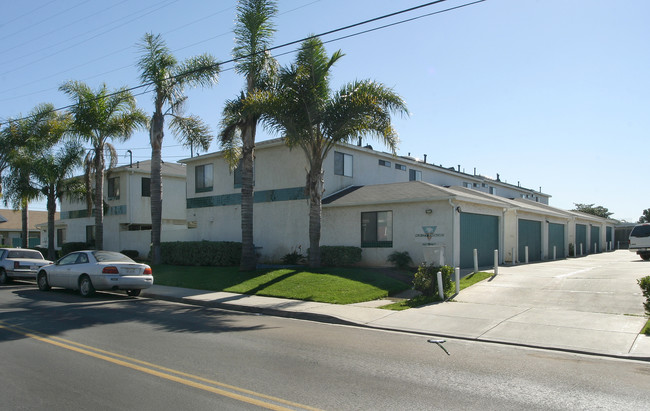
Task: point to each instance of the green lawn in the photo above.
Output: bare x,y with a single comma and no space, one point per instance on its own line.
331,285
423,300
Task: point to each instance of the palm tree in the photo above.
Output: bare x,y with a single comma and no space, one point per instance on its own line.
169,78
24,140
253,33
99,117
311,117
53,173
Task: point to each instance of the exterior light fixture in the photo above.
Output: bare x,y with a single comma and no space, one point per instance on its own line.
428,211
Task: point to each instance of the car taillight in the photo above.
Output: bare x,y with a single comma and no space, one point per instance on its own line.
147,271
111,269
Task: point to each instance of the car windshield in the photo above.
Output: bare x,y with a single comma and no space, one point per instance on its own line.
111,256
25,254
641,231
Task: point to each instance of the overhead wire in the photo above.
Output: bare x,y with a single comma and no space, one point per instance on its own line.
234,60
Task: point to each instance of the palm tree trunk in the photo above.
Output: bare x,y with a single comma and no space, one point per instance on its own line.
315,192
248,259
51,211
99,198
24,241
156,185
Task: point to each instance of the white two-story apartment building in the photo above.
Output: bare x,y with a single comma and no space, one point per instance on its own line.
127,219
385,203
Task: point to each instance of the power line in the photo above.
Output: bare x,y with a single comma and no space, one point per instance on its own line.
86,39
233,60
58,29
30,26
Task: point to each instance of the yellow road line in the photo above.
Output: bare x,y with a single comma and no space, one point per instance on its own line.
150,368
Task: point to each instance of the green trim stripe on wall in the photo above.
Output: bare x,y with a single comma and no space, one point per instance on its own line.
264,196
114,210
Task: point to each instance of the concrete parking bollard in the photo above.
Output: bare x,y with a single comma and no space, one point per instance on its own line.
441,292
526,253
457,273
475,260
496,262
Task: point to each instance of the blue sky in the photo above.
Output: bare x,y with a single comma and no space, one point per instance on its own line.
551,94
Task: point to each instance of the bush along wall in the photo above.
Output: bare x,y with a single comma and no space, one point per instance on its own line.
426,279
339,255
211,253
74,246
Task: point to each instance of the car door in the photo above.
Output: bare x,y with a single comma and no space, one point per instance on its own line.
81,266
59,273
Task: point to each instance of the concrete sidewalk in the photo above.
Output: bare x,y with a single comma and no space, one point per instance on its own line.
567,305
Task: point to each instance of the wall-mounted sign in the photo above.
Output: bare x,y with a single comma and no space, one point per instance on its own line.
429,233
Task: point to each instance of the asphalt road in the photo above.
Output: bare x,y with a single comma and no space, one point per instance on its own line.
59,352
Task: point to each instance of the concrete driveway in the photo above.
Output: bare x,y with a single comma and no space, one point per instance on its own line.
589,304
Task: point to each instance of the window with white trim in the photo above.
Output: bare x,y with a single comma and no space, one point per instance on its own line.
203,178
415,175
342,164
377,229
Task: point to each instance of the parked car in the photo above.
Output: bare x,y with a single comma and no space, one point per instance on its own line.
92,270
20,263
640,240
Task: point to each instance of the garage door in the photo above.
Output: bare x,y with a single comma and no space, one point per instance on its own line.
530,234
481,232
595,239
581,238
556,239
609,237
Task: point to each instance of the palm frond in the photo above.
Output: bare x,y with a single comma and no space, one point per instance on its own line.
192,130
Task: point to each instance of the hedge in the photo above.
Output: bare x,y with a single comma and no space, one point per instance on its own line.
210,253
339,256
74,246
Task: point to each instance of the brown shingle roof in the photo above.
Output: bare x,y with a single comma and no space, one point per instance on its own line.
13,219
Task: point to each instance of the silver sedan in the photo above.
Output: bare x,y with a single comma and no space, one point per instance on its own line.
91,270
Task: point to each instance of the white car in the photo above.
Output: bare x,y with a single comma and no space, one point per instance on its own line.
92,270
20,263
640,241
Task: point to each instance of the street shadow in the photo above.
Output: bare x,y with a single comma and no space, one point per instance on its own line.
58,311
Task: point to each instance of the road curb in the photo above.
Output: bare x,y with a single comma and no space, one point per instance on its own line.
330,319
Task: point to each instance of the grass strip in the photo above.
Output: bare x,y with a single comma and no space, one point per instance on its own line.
420,300
328,285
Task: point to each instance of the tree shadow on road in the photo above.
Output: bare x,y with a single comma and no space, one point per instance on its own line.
58,311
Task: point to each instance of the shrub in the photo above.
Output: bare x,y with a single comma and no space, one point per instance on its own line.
293,258
339,255
75,246
133,254
400,259
426,280
571,250
644,283
212,253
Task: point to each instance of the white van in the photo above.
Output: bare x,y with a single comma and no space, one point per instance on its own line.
640,241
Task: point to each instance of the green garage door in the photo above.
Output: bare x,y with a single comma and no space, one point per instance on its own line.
556,238
609,237
530,234
595,239
481,232
581,238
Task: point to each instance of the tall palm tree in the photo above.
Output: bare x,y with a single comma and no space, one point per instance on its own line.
311,117
98,117
253,33
53,172
169,78
24,140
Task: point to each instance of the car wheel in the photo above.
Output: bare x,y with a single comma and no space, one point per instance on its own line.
3,276
645,256
43,285
133,293
86,288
